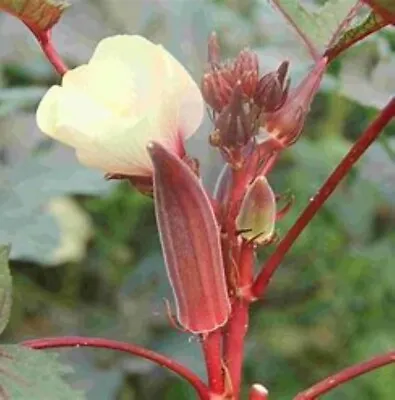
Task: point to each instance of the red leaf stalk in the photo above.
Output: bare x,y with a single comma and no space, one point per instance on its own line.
354,37
164,361
45,41
346,375
356,151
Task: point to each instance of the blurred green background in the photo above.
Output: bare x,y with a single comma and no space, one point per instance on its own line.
85,253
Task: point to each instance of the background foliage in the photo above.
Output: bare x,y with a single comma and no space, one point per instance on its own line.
85,253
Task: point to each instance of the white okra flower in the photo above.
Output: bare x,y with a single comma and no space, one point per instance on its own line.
130,93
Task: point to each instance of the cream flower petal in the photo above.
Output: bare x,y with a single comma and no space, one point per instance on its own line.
116,154
77,121
141,57
186,93
111,143
118,158
48,119
48,110
110,138
109,83
126,48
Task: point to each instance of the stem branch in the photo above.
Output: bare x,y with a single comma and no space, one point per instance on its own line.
346,375
356,151
354,36
79,341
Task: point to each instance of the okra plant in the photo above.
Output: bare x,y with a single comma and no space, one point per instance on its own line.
129,112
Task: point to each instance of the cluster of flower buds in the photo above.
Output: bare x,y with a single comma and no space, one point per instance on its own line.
246,105
238,96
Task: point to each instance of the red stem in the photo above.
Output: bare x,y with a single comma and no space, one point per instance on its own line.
212,349
236,330
79,341
237,326
243,257
44,38
346,375
367,138
246,266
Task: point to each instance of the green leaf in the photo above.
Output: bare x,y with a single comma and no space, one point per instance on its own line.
26,220
318,28
371,84
34,375
370,24
5,288
100,383
378,168
39,15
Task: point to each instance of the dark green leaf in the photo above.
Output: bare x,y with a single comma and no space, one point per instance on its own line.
33,375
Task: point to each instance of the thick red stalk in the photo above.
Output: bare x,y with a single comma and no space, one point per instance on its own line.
236,330
246,268
237,326
239,182
240,257
322,195
44,38
79,341
346,375
212,350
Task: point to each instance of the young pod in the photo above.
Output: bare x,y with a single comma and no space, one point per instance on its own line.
257,215
190,242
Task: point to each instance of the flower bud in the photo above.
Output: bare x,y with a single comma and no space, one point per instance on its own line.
258,392
219,81
216,89
214,51
257,215
272,89
246,70
285,124
235,125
